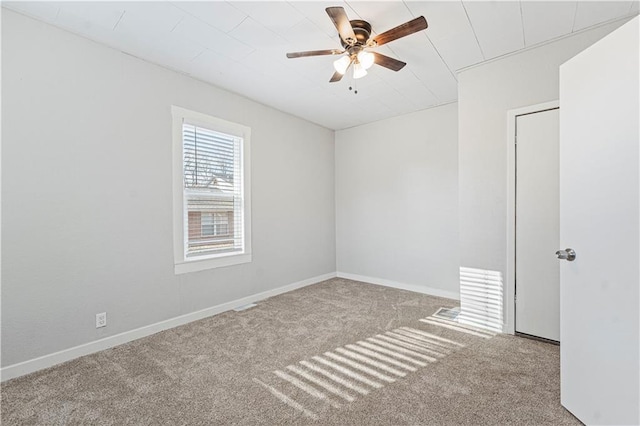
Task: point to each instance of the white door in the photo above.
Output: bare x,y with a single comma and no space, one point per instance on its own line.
537,225
600,220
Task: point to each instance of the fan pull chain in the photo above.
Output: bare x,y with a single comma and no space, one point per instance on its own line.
354,85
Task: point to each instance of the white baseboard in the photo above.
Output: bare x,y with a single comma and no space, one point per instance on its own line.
46,361
32,365
402,286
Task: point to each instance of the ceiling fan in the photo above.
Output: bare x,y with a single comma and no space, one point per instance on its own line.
356,39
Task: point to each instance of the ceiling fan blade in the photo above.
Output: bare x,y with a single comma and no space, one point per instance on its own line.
341,21
336,77
314,53
408,28
387,62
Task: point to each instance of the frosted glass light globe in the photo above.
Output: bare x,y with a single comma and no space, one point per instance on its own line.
342,64
358,71
366,59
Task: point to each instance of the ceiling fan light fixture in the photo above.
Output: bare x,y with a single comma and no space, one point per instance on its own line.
358,70
342,64
355,37
366,59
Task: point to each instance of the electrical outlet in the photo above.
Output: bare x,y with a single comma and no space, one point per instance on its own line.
101,320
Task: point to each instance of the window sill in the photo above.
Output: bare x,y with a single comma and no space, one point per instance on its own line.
204,264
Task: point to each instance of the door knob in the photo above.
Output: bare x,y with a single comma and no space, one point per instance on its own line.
567,254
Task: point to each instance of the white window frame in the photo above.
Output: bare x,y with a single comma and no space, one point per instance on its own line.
183,265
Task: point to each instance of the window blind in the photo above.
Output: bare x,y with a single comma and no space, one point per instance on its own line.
213,192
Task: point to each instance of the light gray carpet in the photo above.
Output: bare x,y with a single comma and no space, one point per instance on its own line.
335,353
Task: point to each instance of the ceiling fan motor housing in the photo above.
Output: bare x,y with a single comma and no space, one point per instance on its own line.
362,30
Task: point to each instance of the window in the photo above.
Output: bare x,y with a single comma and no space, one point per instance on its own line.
211,192
214,224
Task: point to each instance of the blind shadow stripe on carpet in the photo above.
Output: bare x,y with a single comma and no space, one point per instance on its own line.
354,370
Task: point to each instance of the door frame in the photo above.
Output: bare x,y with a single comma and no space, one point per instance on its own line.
510,278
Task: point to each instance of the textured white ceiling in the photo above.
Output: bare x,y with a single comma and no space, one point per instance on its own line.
241,45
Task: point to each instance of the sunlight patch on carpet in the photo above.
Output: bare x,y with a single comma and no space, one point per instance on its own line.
284,398
355,370
456,326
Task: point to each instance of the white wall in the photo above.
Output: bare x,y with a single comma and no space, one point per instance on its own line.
485,94
397,201
87,193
